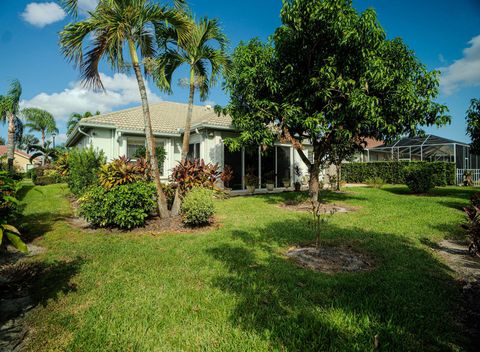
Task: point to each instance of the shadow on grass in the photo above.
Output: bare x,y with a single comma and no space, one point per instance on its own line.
325,195
408,300
27,284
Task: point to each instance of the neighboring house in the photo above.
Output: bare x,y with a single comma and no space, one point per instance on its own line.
21,161
122,132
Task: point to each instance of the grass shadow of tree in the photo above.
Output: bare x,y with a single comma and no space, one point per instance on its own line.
325,195
403,300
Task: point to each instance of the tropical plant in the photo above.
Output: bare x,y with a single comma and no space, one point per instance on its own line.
61,165
189,174
13,235
120,171
227,175
39,120
197,207
75,118
111,26
203,52
9,105
251,179
473,228
124,206
27,140
328,71
46,153
83,165
141,153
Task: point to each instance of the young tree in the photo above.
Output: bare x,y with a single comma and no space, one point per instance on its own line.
328,69
473,125
75,118
9,105
111,26
198,51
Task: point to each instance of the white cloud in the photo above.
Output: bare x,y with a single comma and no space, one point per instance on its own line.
120,90
464,72
41,14
87,5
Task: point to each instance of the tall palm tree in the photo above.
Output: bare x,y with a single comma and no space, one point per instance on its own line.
26,141
9,105
75,118
39,120
204,51
113,25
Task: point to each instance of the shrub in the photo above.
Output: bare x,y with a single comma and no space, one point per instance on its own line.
189,174
227,175
197,207
395,171
375,182
45,180
419,179
473,225
61,165
118,172
125,206
8,190
83,169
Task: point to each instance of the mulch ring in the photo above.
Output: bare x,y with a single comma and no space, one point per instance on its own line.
153,226
307,207
330,259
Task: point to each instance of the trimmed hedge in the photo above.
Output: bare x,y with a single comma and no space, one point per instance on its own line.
394,172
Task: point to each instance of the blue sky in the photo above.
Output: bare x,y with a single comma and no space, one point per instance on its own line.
444,34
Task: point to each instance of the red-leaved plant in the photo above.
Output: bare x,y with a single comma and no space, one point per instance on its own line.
188,174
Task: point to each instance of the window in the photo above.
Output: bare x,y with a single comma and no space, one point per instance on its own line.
132,148
193,151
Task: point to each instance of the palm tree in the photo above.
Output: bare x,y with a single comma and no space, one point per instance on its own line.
9,105
46,152
75,118
27,140
39,120
200,55
113,25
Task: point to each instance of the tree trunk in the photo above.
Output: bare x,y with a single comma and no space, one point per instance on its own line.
338,167
11,142
161,199
43,146
188,121
313,184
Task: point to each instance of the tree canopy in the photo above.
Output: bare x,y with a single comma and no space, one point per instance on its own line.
329,73
473,125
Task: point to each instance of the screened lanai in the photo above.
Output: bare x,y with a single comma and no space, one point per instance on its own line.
426,148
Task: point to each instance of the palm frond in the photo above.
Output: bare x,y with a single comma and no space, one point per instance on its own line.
166,64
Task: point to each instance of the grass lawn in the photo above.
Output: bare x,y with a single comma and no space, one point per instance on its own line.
231,289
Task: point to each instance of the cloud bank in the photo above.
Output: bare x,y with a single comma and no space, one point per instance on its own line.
120,90
464,72
42,14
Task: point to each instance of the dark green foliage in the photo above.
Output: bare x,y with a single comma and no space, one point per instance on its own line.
124,206
84,165
189,174
419,179
160,152
473,224
8,188
473,125
394,172
197,207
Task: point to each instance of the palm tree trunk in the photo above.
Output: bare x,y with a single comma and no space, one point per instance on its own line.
161,199
188,122
11,142
43,146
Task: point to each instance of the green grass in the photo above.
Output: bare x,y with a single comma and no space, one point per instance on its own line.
232,289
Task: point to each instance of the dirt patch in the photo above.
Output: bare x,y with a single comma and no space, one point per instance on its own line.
331,260
153,226
467,268
307,206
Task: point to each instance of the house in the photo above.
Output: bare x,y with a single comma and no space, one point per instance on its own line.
122,133
21,161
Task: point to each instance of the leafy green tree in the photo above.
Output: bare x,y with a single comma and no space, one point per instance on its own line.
75,118
203,52
329,71
39,120
9,106
109,28
473,125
